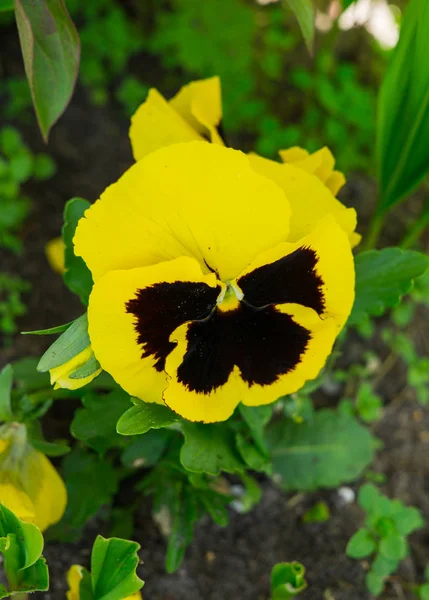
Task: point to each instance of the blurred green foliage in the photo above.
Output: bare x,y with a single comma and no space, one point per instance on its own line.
275,95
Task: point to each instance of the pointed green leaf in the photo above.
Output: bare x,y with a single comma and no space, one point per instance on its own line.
210,448
382,278
113,568
144,416
73,341
6,381
361,544
77,277
287,580
330,450
403,110
50,331
304,13
51,51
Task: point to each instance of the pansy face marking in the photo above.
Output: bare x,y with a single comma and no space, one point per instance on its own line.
204,296
236,324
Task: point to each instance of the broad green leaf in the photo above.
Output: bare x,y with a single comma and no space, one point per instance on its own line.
382,278
145,450
77,276
6,381
361,544
113,568
304,13
21,545
251,454
394,547
58,329
209,449
95,424
73,341
6,5
144,416
330,450
374,583
407,520
51,51
403,110
256,418
83,471
27,378
287,580
382,566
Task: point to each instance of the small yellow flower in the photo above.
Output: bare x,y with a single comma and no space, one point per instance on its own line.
74,577
60,376
54,250
29,484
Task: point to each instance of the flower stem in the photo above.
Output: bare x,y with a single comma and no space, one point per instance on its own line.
375,227
416,230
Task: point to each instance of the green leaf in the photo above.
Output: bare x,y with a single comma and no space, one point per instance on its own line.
209,448
256,418
403,110
73,341
95,424
77,276
382,278
113,568
329,450
287,580
304,13
83,471
407,520
144,416
50,331
319,513
394,547
184,515
368,404
51,51
21,545
145,450
382,566
6,381
423,592
27,378
374,583
361,544
6,5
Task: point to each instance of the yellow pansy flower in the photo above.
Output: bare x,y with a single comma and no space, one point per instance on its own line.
29,484
60,376
215,283
74,577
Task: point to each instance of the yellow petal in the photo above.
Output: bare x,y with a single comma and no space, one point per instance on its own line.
3,445
17,501
74,577
54,250
200,104
60,375
45,488
335,182
196,199
114,329
156,124
309,198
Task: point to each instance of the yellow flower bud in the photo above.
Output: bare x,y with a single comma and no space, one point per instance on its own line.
60,376
29,484
54,251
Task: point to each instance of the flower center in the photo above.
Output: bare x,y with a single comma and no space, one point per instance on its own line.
230,297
